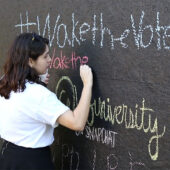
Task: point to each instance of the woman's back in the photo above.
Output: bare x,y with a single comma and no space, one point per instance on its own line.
29,116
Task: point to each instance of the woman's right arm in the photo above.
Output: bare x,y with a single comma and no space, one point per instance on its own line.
77,118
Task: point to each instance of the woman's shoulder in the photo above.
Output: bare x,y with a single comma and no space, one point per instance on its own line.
37,89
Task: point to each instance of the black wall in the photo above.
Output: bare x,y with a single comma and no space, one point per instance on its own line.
127,44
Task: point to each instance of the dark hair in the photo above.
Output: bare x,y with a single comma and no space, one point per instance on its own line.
16,68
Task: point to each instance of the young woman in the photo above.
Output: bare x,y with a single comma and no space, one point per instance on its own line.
29,111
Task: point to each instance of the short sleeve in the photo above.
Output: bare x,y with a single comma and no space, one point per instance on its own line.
50,109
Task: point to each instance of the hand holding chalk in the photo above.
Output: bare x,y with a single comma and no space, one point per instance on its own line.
86,75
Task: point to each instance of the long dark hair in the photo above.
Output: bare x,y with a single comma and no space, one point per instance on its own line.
16,68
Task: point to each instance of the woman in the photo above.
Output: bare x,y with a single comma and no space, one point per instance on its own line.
29,111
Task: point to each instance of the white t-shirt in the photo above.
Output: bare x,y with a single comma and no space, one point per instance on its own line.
28,118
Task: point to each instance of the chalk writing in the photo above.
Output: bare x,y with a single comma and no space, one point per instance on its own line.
69,155
139,37
134,163
62,37
100,135
123,115
94,160
71,159
113,162
114,159
67,62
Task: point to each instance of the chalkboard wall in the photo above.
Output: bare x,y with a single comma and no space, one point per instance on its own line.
127,44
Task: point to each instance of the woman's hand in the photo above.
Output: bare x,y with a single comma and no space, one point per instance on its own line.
86,75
